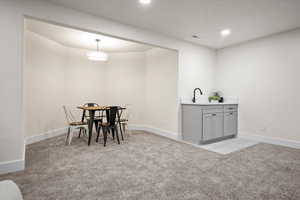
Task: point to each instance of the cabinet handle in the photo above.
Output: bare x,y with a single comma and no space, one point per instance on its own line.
214,114
230,108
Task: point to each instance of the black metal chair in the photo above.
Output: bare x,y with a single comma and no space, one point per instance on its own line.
98,118
110,125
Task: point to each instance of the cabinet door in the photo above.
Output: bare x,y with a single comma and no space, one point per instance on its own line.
230,123
212,126
191,123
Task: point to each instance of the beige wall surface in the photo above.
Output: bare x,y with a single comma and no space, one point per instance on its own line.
11,121
83,80
124,83
161,90
55,75
44,84
264,74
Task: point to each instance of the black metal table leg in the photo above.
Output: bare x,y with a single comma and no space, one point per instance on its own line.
119,121
82,120
91,122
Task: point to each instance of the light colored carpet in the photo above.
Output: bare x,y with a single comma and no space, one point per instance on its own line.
229,145
147,167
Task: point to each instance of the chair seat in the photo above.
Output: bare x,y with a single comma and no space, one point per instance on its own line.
78,123
105,124
123,120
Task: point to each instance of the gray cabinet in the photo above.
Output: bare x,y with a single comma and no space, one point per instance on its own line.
230,123
208,123
212,126
192,122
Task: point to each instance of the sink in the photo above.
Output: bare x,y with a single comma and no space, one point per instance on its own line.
202,99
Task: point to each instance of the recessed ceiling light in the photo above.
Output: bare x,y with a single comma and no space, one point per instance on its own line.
225,32
145,2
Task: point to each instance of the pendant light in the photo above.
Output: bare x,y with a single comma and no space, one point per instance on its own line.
97,55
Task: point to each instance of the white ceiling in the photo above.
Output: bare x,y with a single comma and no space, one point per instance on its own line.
248,19
80,39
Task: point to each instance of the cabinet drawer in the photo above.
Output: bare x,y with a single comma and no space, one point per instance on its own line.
213,114
230,108
212,107
213,110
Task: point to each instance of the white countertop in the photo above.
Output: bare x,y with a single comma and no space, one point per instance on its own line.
209,104
203,101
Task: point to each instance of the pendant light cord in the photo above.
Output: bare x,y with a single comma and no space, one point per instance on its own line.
97,40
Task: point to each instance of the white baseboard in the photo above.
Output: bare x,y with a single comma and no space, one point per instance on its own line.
258,138
156,131
19,165
46,135
271,140
12,166
61,131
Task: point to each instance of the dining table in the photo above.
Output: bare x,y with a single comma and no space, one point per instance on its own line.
92,110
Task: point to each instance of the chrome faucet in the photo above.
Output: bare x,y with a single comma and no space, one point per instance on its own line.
194,98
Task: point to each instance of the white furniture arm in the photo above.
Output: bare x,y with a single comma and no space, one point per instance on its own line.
9,191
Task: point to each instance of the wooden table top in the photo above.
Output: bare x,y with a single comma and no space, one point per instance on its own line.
95,108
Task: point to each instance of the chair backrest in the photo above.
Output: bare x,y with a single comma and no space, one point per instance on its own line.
90,104
126,113
68,114
112,115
